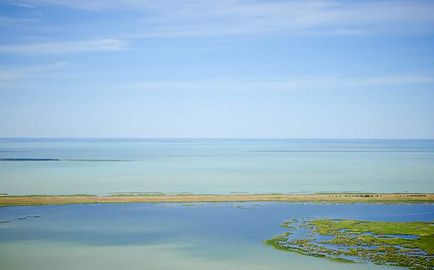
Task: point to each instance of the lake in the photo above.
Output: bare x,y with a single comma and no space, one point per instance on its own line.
104,166
173,236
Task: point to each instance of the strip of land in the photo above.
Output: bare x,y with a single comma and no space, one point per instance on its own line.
197,198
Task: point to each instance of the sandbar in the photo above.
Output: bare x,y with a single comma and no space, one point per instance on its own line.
6,200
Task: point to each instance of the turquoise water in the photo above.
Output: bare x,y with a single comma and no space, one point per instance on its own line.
98,166
173,236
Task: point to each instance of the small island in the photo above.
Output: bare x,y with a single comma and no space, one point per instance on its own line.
406,244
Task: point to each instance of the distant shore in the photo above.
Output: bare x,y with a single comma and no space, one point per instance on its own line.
197,198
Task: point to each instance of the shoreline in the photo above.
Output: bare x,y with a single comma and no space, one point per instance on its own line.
389,198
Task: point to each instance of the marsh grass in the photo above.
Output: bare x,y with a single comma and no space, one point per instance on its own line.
407,244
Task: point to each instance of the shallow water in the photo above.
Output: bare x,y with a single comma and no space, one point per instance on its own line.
172,236
97,166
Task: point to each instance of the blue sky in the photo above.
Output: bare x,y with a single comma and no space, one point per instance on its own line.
227,68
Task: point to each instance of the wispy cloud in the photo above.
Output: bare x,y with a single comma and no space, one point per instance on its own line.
401,79
16,77
199,18
300,83
15,74
20,4
80,4
6,21
66,47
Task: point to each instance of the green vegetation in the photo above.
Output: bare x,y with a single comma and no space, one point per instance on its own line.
331,227
407,244
305,247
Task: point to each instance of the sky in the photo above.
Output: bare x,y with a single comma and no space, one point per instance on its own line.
217,69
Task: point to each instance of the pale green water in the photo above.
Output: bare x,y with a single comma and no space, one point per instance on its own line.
47,256
173,236
215,166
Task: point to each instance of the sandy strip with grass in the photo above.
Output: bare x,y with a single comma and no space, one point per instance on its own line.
182,198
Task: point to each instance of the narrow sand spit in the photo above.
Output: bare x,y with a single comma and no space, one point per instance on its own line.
180,198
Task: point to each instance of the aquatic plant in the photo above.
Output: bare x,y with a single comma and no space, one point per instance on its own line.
407,244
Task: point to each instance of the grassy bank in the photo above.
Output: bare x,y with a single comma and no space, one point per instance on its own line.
187,198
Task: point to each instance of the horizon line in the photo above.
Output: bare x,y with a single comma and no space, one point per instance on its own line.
221,138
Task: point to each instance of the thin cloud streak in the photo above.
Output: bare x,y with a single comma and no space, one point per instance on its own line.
16,74
65,47
20,4
229,17
314,82
6,21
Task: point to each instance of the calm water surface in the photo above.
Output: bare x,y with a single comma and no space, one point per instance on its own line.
98,166
172,236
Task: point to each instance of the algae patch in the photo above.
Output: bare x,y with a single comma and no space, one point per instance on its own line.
407,244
